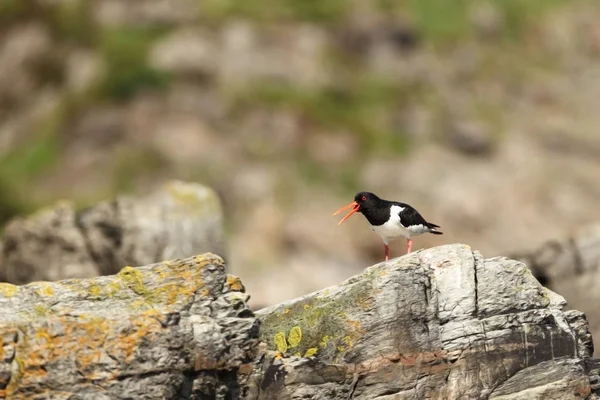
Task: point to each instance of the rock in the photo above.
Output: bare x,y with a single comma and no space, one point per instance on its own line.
20,48
174,330
185,52
487,20
442,323
546,380
470,138
332,148
144,13
178,220
571,266
83,70
291,55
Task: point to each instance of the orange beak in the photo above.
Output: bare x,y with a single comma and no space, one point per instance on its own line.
354,205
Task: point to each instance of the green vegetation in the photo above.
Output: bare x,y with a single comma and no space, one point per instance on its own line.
125,52
362,105
11,204
17,170
31,159
72,22
439,21
14,10
134,162
68,21
276,10
442,22
520,14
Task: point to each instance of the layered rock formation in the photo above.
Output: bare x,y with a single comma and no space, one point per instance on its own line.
571,267
173,330
177,220
276,105
442,323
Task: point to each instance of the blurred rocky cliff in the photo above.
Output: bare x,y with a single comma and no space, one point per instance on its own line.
482,114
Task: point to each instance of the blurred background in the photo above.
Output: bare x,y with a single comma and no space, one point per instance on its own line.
481,114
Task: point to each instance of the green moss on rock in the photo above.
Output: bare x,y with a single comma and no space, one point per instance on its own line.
199,202
320,325
134,280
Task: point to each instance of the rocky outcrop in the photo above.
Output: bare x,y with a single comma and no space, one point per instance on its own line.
174,330
442,323
178,220
342,96
571,267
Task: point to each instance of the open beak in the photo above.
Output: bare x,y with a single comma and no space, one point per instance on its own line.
354,205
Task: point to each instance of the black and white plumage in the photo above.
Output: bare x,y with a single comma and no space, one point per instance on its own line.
390,219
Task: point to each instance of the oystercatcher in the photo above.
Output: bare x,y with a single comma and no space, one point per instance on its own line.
389,219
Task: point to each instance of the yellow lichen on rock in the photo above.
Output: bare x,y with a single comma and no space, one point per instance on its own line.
280,342
45,289
235,284
43,334
8,290
295,336
365,301
355,327
347,344
161,271
207,258
95,290
142,328
113,288
41,310
311,352
134,280
136,305
201,201
17,374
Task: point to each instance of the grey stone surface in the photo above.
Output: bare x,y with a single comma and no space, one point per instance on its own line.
178,329
175,221
442,323
549,380
571,267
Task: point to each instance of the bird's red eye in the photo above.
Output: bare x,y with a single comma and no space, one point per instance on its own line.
364,198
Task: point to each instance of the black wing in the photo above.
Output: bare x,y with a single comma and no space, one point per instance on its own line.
409,216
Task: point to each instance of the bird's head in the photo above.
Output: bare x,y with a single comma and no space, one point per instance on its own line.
362,201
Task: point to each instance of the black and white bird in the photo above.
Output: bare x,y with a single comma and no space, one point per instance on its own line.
389,219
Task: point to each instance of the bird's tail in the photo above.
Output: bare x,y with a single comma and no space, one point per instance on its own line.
432,229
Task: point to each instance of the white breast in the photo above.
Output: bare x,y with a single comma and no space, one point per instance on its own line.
393,228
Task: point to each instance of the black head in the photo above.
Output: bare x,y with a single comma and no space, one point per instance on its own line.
366,201
363,202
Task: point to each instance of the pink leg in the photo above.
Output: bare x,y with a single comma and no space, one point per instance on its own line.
408,246
387,252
